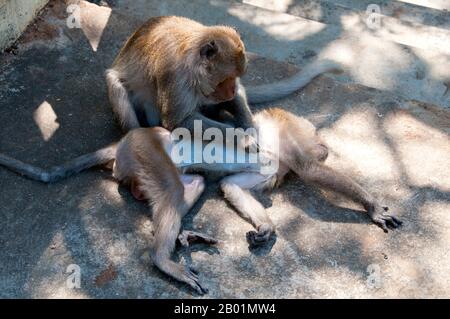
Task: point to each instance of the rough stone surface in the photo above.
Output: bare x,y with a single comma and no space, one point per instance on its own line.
15,15
53,106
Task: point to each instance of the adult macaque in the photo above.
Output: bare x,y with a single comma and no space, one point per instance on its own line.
173,66
144,160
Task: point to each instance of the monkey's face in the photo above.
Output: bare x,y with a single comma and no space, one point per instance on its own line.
224,60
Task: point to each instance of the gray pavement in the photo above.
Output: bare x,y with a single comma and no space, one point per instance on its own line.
386,121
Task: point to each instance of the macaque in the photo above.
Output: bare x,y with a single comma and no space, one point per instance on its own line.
172,67
144,160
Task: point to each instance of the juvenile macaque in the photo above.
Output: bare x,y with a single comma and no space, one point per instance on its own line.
144,160
172,66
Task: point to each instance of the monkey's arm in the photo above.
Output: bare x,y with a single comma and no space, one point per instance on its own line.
56,173
120,101
235,189
236,113
240,109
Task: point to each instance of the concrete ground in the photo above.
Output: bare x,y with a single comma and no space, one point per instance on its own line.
386,120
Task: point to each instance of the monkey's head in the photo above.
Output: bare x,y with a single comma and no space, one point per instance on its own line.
223,60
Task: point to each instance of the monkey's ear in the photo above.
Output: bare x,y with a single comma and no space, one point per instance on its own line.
209,49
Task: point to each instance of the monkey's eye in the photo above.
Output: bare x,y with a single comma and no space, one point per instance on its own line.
209,49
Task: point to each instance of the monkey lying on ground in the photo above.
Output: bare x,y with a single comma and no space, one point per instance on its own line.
172,67
144,161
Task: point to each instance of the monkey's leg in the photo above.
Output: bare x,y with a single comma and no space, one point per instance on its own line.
235,189
320,152
168,224
120,101
324,176
171,199
193,188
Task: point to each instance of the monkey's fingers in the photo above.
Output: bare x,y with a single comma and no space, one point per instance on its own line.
392,221
380,222
188,236
258,238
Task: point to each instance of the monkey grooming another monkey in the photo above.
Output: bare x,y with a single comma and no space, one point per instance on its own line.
172,66
144,161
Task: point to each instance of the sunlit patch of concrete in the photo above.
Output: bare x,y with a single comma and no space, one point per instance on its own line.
438,214
359,148
312,8
408,276
282,26
418,35
45,118
438,64
277,5
371,66
48,278
59,292
372,240
377,58
344,284
120,250
110,189
94,20
232,231
423,151
422,268
144,227
435,4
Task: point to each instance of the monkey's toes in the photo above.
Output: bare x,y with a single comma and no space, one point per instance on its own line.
191,278
188,236
386,221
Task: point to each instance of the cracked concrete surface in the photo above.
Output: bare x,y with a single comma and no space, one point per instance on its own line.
53,106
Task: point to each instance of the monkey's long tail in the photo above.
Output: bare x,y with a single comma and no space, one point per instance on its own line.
274,91
56,173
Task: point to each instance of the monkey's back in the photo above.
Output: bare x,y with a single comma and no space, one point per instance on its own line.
159,38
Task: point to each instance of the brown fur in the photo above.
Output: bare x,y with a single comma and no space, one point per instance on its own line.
142,161
164,64
301,151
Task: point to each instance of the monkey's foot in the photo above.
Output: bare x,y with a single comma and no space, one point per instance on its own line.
186,274
383,219
264,231
187,237
191,278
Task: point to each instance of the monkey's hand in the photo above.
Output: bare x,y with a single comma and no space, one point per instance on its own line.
264,231
384,220
188,236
